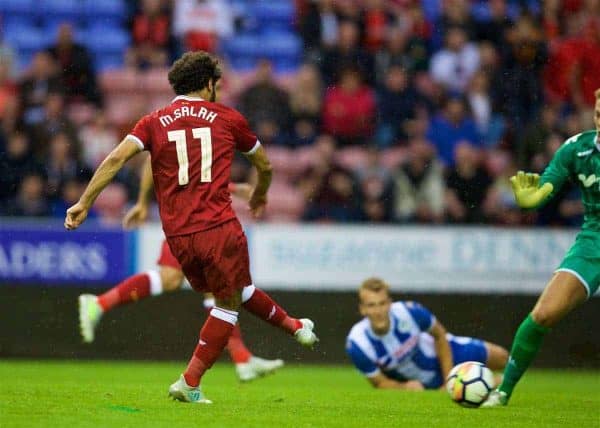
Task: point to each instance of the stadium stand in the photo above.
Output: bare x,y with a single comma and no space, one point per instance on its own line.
400,35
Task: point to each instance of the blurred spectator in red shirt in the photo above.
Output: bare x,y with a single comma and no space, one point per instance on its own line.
75,64
376,21
8,98
564,55
150,33
551,21
349,109
587,72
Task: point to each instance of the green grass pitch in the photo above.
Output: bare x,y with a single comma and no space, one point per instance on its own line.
134,394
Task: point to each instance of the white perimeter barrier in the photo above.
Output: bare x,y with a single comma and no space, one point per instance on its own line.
416,259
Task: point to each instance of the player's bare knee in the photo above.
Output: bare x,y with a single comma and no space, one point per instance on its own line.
544,316
171,278
231,302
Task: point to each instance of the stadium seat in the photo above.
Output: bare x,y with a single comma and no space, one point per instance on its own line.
285,161
242,45
282,44
106,62
271,11
120,81
352,158
51,25
18,7
103,9
26,38
431,9
286,65
9,20
23,59
243,63
61,9
306,157
285,201
155,81
103,40
118,107
111,203
81,113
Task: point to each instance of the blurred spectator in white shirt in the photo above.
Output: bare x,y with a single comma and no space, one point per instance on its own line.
200,23
453,66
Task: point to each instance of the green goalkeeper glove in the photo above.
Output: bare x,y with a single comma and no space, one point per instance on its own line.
526,188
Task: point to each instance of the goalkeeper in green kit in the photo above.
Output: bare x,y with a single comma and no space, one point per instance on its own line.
578,276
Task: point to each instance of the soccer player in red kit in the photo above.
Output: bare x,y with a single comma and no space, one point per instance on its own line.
168,278
191,144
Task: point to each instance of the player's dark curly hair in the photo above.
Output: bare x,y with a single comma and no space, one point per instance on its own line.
193,71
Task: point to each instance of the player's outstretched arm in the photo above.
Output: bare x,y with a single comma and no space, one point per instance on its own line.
139,212
103,175
527,190
258,200
442,347
381,381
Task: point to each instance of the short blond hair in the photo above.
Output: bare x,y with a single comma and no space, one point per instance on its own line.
597,94
374,284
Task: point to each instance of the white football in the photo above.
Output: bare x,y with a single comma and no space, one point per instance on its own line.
470,383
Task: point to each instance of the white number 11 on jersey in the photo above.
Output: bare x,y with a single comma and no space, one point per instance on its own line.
180,140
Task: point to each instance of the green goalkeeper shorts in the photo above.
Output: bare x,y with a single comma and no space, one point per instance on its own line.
583,260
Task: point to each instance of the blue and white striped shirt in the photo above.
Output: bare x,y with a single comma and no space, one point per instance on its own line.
405,352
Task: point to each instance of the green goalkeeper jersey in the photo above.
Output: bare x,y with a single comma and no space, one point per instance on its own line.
578,160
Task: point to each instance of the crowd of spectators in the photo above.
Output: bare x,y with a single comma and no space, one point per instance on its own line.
403,111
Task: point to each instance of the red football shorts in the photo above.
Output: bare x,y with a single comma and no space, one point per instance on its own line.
167,258
214,260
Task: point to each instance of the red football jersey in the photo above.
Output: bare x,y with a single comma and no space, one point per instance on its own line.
191,144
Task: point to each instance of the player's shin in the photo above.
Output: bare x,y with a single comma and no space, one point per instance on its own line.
213,338
134,288
260,304
526,344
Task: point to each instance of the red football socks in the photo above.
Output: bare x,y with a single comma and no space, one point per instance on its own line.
261,305
235,346
131,289
213,338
